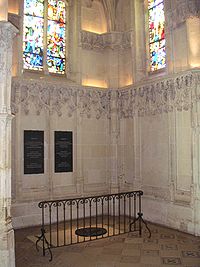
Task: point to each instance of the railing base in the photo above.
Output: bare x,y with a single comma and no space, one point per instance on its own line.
42,238
141,220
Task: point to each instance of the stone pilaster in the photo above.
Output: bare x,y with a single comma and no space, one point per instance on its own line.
114,135
7,255
196,164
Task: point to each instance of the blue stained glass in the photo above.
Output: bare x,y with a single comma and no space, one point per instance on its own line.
33,32
56,65
33,61
33,35
158,54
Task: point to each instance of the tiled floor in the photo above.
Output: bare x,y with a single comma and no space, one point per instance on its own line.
165,248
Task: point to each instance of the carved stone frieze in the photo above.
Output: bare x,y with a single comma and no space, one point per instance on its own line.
53,97
179,93
173,93
112,40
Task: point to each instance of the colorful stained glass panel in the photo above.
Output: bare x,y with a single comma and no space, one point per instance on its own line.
56,10
157,34
152,3
56,65
33,61
157,55
56,39
156,23
33,42
56,36
34,7
33,35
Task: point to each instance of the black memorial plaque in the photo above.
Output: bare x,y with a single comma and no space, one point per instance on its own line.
63,151
33,152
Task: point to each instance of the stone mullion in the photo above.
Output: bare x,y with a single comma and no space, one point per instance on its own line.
7,32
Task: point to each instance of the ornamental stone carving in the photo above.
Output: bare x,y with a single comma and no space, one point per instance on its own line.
181,10
179,93
53,97
175,93
114,40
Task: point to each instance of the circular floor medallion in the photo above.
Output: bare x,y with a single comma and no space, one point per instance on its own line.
90,231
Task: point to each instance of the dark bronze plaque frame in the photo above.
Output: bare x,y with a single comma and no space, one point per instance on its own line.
33,152
63,141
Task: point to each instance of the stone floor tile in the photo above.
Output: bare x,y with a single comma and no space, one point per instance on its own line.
150,260
131,252
170,253
164,249
137,240
111,251
150,253
108,258
123,264
105,264
130,259
171,261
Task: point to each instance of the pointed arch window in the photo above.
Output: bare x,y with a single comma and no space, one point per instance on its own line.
44,35
156,34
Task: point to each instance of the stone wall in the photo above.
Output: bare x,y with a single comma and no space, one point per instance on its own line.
143,137
57,107
163,115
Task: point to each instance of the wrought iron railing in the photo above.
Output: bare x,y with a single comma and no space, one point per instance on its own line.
72,221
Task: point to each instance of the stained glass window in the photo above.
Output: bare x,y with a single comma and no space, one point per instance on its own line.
156,34
36,26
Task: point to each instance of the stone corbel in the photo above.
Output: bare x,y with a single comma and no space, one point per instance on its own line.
14,19
110,40
183,10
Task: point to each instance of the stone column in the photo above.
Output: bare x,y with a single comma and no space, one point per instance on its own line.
7,254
